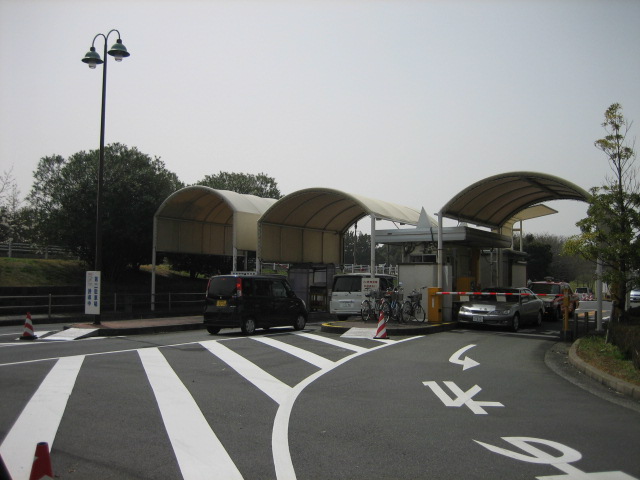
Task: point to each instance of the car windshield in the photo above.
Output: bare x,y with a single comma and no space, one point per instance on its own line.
552,288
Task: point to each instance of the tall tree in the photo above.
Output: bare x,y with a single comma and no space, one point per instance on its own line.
260,185
611,230
539,257
64,199
12,224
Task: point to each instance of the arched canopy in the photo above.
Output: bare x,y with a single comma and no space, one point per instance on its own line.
308,225
202,220
492,202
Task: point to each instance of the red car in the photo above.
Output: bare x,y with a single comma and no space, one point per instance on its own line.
552,294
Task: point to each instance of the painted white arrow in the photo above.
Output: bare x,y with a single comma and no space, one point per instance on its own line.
466,362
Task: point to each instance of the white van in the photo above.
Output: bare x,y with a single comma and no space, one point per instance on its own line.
349,290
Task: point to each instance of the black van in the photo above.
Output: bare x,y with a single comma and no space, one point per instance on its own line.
250,302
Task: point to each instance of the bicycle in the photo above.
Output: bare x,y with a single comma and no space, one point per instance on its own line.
395,304
412,310
371,308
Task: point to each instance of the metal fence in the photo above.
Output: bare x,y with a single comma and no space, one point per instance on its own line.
121,305
27,250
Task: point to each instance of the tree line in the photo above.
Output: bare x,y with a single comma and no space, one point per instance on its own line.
61,205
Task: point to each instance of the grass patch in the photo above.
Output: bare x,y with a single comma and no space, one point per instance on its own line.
608,358
36,272
31,272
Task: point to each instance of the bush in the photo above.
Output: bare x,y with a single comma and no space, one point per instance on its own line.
626,336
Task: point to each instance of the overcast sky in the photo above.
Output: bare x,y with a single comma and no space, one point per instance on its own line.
405,101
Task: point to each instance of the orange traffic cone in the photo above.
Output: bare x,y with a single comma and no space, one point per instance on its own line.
382,326
28,333
41,463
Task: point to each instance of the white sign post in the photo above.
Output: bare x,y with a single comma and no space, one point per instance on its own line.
92,293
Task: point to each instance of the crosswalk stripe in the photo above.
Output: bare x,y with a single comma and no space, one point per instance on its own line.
266,382
40,418
331,341
305,355
199,453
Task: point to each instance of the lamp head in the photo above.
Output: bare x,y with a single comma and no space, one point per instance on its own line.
118,51
92,58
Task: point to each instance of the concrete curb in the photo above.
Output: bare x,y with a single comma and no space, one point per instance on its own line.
604,378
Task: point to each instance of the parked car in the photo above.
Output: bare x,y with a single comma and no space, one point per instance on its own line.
635,295
552,294
584,293
250,302
500,306
348,291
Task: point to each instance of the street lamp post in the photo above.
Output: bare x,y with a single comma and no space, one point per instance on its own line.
92,58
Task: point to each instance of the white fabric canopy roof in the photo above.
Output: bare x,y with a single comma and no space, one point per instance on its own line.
308,225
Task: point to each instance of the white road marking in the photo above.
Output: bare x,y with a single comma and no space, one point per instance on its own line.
302,354
331,341
539,456
466,362
280,434
197,448
462,398
71,334
40,418
266,382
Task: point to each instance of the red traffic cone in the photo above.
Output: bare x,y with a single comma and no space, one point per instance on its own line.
41,463
382,326
28,333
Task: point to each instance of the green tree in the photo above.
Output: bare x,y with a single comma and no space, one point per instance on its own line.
357,248
44,200
63,198
12,223
260,185
611,231
539,257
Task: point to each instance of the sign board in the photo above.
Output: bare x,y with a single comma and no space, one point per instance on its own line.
92,293
369,283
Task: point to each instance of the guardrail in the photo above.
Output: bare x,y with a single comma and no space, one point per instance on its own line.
119,304
379,269
28,250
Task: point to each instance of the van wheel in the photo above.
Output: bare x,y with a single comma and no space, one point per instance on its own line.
213,330
248,326
300,322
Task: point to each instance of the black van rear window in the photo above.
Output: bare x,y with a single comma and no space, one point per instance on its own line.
222,286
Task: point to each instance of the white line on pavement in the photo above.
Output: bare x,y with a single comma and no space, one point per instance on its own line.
266,382
40,418
331,341
199,453
302,354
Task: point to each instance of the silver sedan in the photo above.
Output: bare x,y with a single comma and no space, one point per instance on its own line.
501,306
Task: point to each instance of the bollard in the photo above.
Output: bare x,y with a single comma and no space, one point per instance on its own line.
586,323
